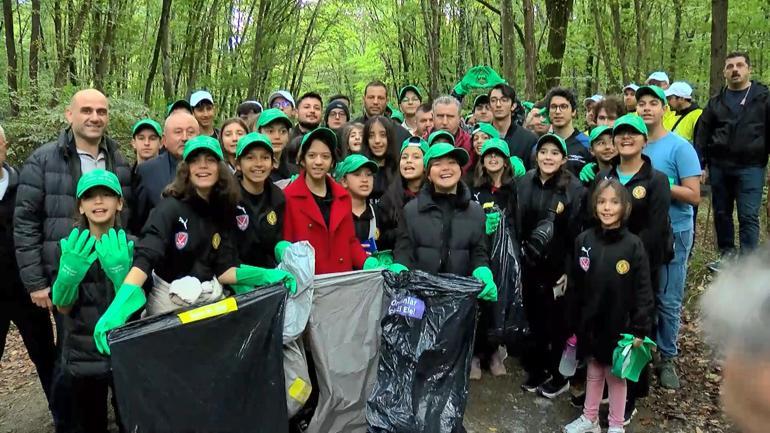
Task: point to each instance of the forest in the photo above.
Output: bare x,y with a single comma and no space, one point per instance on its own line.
145,53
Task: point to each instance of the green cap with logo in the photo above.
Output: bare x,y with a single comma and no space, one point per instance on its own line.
413,88
440,134
496,144
352,163
252,139
273,115
415,142
598,131
554,139
146,123
630,121
440,150
655,91
486,128
203,142
98,177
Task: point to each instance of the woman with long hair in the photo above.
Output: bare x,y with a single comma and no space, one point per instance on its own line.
380,146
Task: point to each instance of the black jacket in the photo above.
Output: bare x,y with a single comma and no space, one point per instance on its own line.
364,224
151,178
741,139
521,143
442,233
259,226
389,214
610,280
504,197
45,204
11,289
577,152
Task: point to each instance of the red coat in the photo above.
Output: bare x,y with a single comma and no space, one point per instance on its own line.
336,249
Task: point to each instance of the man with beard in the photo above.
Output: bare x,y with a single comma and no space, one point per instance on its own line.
309,110
376,104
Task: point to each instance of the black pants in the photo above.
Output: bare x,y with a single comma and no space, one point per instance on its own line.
34,325
89,403
548,324
483,346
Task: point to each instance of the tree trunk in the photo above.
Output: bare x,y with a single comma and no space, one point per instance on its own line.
10,49
508,41
619,40
530,52
35,42
604,54
431,14
677,37
303,51
640,22
66,63
104,47
165,11
558,12
718,44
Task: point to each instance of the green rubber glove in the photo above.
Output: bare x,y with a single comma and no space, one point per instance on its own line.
128,300
546,115
492,221
371,263
528,106
478,77
517,165
77,256
484,274
280,248
251,276
588,173
397,268
116,254
671,182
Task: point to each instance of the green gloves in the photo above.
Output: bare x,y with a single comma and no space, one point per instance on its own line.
115,254
371,263
671,182
478,77
588,173
397,268
128,300
484,274
517,165
280,248
77,256
492,221
250,276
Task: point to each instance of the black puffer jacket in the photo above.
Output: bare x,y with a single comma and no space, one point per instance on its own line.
45,204
389,213
442,233
11,289
610,278
504,197
259,226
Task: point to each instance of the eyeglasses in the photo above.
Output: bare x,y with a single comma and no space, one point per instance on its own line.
503,100
559,107
281,104
337,114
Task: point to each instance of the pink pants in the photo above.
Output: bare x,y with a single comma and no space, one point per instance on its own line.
597,374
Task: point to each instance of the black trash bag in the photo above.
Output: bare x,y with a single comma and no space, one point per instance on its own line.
509,321
220,373
425,354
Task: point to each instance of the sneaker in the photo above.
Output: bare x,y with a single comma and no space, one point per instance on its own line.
582,425
616,430
579,400
667,374
553,388
475,369
496,366
630,412
534,381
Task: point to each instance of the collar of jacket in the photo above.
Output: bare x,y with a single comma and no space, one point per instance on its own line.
426,201
694,106
645,172
755,91
13,176
302,192
273,195
66,142
611,235
548,184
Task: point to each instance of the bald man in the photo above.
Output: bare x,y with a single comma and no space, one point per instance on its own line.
153,176
45,199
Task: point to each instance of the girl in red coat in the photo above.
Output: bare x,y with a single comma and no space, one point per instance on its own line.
319,210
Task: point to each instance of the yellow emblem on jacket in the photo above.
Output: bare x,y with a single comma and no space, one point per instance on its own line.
272,218
639,192
216,240
622,267
559,207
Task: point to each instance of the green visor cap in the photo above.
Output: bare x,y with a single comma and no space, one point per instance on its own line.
324,134
440,150
146,123
352,163
415,142
486,128
177,104
552,138
413,88
273,115
598,131
496,144
252,139
631,121
651,90
98,177
203,142
438,134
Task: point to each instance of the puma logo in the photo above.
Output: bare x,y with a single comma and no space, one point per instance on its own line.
585,250
241,208
184,222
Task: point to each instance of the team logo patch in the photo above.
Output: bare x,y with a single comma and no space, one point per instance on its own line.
216,240
376,234
639,192
559,207
585,260
181,239
242,221
622,267
272,218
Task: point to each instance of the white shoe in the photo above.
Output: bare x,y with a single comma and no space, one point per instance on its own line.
582,425
475,369
616,430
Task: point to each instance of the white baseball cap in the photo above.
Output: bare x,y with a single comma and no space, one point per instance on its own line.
679,89
200,96
596,98
631,86
280,94
658,76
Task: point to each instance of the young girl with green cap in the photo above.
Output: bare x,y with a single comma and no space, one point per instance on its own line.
356,174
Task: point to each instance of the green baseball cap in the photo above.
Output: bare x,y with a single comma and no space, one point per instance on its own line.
146,123
352,163
203,142
415,142
413,88
98,177
486,128
445,149
397,115
252,139
496,144
555,139
182,103
273,115
324,134
440,133
651,90
631,121
597,131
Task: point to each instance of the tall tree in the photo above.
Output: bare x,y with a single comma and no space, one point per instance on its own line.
10,50
432,12
530,52
35,41
619,41
559,12
165,12
66,61
507,39
674,59
718,44
604,54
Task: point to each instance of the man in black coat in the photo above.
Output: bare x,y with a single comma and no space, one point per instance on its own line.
375,103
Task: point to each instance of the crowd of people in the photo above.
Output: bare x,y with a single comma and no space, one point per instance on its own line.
601,212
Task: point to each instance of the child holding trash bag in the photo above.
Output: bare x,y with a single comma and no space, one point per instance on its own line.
94,260
495,190
356,174
611,284
549,216
187,244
